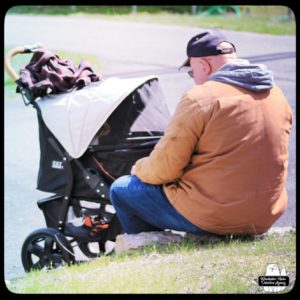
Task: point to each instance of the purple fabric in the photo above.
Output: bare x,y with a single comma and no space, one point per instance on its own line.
46,70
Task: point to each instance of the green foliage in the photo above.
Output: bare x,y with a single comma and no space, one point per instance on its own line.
178,9
94,9
261,19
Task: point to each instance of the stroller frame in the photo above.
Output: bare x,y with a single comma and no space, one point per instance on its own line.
57,248
56,223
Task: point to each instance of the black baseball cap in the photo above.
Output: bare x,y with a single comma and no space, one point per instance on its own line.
206,44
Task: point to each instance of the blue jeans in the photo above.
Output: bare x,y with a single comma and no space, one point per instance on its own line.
144,207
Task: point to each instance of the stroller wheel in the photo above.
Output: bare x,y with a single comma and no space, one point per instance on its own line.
91,249
46,248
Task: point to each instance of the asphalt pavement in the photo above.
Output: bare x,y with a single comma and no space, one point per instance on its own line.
126,50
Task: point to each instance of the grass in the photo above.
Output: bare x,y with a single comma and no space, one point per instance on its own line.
231,266
260,19
228,266
19,61
277,25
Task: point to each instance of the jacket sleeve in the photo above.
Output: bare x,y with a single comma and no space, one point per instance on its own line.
173,152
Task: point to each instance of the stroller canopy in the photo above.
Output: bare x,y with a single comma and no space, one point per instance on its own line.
74,118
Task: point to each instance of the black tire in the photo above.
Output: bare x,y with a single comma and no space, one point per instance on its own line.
91,249
97,248
46,248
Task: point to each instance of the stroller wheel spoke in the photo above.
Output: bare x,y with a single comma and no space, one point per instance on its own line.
56,260
36,249
41,250
37,266
48,245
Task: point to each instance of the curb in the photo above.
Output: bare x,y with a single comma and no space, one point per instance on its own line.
126,242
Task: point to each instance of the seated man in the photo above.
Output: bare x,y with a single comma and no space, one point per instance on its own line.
221,166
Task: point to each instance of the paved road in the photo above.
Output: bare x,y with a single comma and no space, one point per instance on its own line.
126,49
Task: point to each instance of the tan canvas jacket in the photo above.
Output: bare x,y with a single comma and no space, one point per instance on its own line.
223,159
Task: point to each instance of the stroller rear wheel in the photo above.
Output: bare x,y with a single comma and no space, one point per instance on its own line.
46,248
91,249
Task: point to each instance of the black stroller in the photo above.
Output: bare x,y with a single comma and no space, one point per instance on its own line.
88,138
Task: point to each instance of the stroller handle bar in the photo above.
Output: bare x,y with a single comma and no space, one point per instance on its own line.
18,50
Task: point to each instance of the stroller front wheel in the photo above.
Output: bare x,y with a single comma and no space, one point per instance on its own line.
46,248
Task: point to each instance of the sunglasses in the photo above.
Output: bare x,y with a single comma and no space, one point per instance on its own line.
187,69
191,73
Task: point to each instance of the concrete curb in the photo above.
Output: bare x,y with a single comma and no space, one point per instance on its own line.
126,242
280,230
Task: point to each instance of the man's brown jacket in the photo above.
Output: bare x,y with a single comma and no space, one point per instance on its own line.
223,159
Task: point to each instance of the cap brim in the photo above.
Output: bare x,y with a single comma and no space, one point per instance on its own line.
186,63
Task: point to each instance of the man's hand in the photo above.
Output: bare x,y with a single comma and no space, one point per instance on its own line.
132,172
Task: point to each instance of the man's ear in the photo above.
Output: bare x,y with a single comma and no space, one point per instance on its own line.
206,67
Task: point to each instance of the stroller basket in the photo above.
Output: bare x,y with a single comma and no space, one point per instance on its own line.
77,211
